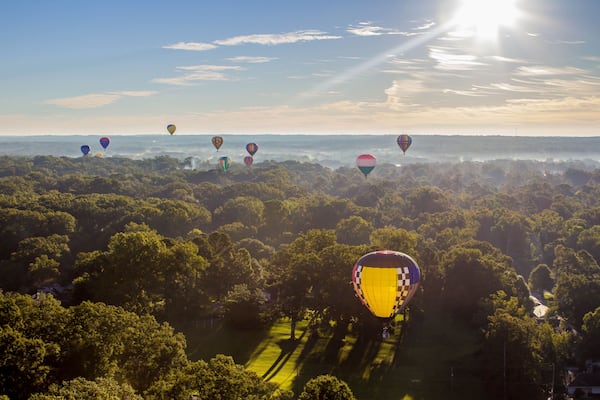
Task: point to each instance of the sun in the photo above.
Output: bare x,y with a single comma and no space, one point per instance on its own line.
485,17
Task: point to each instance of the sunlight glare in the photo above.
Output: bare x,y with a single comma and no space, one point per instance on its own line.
485,17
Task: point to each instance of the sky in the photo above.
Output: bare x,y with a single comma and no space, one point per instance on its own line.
483,67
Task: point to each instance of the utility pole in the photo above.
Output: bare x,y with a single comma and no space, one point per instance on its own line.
504,369
552,388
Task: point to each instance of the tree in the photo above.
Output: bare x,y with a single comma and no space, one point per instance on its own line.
589,240
143,272
326,387
39,259
590,343
242,307
428,200
353,230
540,279
389,238
513,350
220,378
294,273
228,266
576,295
333,294
472,274
295,288
245,209
81,388
510,233
24,365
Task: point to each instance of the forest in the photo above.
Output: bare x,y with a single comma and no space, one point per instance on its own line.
146,279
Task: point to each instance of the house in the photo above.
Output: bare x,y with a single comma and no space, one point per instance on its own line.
585,385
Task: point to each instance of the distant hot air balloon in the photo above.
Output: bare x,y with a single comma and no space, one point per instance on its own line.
217,141
248,160
252,148
171,128
404,141
99,155
85,149
104,142
224,163
366,163
385,281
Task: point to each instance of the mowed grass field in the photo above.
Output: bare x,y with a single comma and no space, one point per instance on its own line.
431,359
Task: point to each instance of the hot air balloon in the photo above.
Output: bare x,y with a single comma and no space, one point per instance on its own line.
404,141
252,148
171,128
85,149
366,163
248,160
104,142
224,163
217,141
385,281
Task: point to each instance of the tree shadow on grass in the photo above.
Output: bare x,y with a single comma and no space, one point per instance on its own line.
207,339
287,349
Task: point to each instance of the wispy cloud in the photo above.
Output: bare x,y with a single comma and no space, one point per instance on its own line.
252,60
367,29
473,92
95,100
190,46
194,73
592,58
448,61
425,26
569,42
541,70
508,60
509,87
273,39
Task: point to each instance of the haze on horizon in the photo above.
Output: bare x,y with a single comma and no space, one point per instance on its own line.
490,67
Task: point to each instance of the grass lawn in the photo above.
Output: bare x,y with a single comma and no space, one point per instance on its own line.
432,358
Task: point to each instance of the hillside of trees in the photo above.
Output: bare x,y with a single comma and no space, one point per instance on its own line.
105,262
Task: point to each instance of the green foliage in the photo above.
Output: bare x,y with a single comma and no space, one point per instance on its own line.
142,272
80,388
326,387
590,343
45,343
242,307
514,350
220,378
471,274
389,238
153,237
353,230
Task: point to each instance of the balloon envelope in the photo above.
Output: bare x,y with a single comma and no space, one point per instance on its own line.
171,128
252,148
385,281
217,141
224,163
104,142
248,160
85,149
404,141
366,163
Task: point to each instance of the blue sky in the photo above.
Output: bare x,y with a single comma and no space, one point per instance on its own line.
509,67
